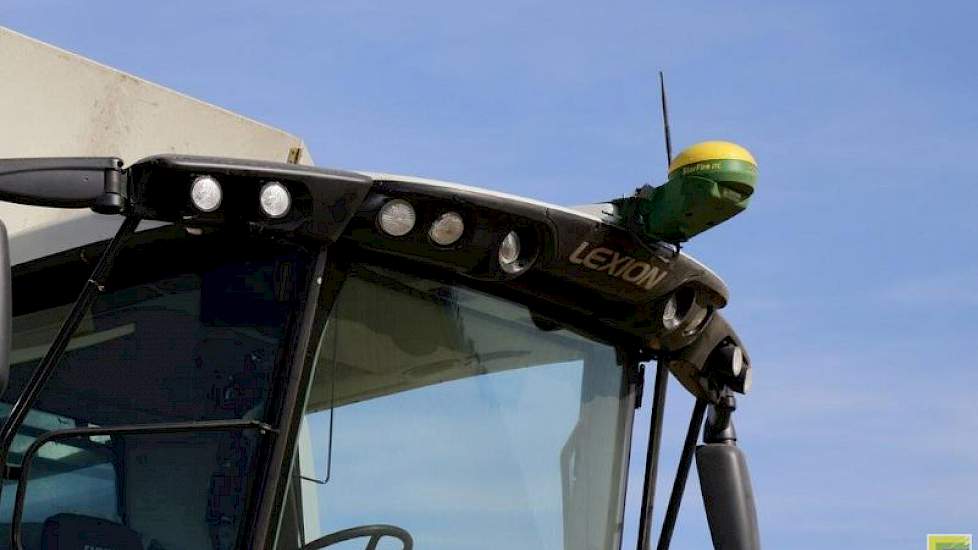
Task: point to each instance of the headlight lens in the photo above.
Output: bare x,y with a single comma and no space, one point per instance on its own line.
746,380
396,218
696,320
275,200
737,361
728,363
447,229
670,317
677,307
206,194
509,254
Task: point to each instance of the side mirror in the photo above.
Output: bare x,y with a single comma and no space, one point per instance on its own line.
6,316
728,497
81,182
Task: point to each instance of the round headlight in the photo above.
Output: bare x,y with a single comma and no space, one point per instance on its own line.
396,218
696,321
670,314
206,194
677,307
737,361
509,254
275,199
728,363
447,229
746,379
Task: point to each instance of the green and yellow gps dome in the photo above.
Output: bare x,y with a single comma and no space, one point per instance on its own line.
719,161
708,184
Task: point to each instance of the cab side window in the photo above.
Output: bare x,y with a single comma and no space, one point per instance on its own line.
188,329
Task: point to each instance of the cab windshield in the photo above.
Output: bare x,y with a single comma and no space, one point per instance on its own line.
461,418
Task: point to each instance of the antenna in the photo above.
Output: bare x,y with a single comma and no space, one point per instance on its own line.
665,120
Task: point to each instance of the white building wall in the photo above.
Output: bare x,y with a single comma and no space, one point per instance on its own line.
55,103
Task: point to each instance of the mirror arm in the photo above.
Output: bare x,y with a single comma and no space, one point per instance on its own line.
679,484
98,183
652,455
93,286
719,422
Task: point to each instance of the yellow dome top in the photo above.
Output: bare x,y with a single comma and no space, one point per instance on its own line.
711,150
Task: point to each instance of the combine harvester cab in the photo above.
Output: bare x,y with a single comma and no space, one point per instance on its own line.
213,346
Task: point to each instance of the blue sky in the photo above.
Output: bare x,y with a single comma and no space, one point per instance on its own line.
854,275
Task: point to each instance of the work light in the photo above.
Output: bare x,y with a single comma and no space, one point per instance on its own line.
677,308
696,320
396,218
206,194
509,254
275,200
447,229
729,363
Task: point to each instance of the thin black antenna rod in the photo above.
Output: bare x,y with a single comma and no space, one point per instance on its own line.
665,119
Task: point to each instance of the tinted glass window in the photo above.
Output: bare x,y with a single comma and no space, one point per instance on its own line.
189,329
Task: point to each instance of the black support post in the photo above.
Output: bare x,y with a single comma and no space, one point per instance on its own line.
679,484
652,456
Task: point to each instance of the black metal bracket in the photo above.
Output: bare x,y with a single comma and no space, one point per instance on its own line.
719,426
652,456
682,473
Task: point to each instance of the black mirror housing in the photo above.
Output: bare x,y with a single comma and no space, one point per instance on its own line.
728,497
83,182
